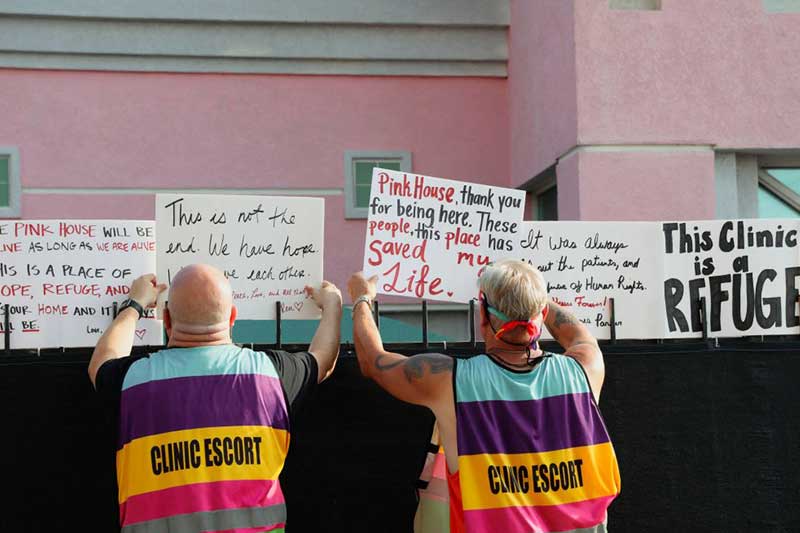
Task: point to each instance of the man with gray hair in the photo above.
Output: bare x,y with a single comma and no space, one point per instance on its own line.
525,445
203,425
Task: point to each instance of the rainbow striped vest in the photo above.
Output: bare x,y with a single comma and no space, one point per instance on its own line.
533,452
203,435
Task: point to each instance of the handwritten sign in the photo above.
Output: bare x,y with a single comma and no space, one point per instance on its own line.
746,270
429,237
270,248
587,263
61,279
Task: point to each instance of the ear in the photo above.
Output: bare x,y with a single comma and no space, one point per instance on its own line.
167,322
484,316
234,314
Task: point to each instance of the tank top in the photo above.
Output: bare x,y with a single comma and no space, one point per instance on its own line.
534,452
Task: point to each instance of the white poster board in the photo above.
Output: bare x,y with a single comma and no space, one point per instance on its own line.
429,237
270,247
746,270
587,263
61,279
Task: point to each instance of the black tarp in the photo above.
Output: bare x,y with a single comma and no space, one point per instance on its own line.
708,439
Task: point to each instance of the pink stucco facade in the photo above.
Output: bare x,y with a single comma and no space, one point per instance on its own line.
76,129
663,88
628,105
718,72
184,131
647,185
542,85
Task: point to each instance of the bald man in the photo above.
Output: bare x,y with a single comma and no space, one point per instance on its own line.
203,425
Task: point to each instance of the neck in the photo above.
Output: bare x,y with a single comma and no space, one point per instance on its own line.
190,335
511,354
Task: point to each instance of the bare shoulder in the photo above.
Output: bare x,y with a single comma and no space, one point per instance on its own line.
421,379
588,353
433,363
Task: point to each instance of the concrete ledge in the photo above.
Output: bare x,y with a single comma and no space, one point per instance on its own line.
413,12
105,62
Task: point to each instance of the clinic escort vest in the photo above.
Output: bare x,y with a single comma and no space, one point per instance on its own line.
534,453
203,436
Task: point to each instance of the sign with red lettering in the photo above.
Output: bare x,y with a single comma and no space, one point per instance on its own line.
428,237
61,278
587,264
270,247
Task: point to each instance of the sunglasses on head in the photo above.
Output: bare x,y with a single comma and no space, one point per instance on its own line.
508,324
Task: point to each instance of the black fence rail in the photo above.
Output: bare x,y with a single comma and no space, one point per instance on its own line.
424,343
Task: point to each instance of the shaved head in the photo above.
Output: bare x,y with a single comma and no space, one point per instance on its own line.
200,301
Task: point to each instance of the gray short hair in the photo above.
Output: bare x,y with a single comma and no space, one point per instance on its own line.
515,288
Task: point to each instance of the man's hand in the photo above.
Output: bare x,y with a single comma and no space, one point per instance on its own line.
117,341
325,344
359,286
326,296
145,290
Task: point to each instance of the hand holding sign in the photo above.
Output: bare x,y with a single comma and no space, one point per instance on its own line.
359,286
145,290
326,296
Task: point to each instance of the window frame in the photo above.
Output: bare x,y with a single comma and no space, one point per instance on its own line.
773,184
14,209
351,157
536,187
781,191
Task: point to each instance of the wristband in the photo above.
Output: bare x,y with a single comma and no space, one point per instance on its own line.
133,304
362,298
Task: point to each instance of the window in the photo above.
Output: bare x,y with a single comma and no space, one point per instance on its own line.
779,193
10,191
547,204
358,176
781,6
541,200
645,5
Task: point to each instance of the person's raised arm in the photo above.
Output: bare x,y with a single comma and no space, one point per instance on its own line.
578,343
421,379
117,340
325,344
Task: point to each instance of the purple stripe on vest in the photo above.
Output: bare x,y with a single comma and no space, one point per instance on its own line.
529,426
198,402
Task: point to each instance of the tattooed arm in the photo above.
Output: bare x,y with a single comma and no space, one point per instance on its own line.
578,343
423,379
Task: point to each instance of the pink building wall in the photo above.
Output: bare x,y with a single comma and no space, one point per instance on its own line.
715,74
647,185
611,96
721,72
541,84
187,131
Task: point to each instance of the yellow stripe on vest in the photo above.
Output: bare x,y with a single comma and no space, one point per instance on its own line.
490,481
200,456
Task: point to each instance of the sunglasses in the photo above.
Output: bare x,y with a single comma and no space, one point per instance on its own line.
508,324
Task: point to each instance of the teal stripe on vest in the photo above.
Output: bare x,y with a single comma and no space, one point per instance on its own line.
199,361
480,379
